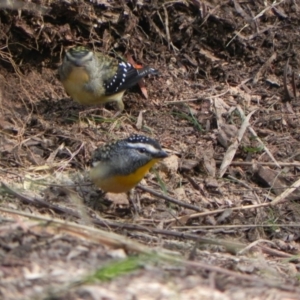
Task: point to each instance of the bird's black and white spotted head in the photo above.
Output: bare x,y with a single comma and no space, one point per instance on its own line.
130,154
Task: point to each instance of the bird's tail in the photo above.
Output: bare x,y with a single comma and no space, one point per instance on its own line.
147,70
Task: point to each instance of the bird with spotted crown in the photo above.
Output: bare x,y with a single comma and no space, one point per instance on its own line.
94,78
119,166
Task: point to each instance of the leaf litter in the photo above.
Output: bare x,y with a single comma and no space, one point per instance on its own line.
218,62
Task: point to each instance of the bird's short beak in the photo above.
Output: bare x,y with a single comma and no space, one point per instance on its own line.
162,154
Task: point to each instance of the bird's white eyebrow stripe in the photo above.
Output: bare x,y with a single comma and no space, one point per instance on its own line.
148,147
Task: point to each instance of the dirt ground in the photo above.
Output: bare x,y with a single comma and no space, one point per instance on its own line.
217,219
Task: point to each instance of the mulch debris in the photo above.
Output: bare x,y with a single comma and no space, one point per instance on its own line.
225,106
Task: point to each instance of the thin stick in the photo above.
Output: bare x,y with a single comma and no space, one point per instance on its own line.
224,226
168,198
283,196
197,99
271,164
218,211
264,67
167,27
39,202
230,153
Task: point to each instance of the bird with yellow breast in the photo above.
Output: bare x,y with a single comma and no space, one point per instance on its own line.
94,78
119,166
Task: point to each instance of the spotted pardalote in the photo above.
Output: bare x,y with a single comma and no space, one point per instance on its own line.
119,166
93,78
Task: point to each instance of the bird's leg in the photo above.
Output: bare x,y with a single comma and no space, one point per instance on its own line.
134,204
121,107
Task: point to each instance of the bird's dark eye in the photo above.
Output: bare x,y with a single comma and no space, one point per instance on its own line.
142,150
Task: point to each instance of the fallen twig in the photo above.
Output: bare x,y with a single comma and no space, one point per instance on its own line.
262,163
230,153
199,97
218,211
264,67
168,198
282,197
